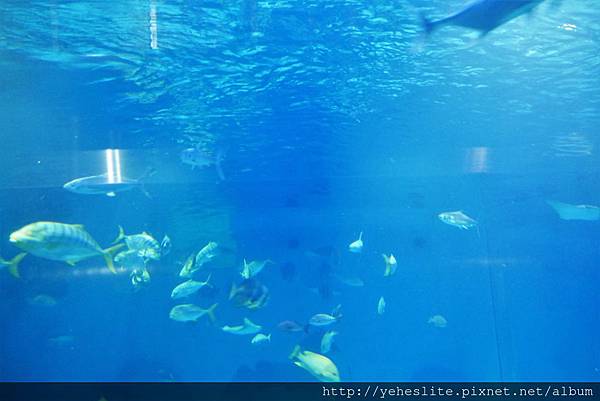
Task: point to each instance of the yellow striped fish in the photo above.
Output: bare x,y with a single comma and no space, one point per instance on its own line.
64,242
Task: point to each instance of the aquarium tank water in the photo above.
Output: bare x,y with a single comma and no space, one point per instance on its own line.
299,190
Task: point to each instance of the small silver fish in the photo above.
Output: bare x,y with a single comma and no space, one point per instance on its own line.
248,327
197,158
323,319
458,219
188,288
381,306
260,339
191,313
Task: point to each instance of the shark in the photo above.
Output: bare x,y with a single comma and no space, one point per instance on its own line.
483,15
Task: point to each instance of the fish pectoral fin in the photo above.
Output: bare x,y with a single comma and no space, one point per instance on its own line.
71,262
111,194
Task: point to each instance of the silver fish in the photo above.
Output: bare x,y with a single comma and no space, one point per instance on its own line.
322,319
458,219
188,288
191,313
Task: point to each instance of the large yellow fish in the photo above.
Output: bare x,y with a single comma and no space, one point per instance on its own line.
317,365
69,243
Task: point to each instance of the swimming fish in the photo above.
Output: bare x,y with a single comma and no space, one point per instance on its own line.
191,313
69,243
197,158
390,265
188,288
246,328
290,326
139,278
253,268
260,338
438,321
356,246
105,184
13,264
145,244
205,255
323,319
42,300
165,246
381,306
458,219
483,15
130,260
327,341
249,294
317,365
575,212
188,267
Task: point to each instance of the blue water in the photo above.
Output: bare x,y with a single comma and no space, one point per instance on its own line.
333,118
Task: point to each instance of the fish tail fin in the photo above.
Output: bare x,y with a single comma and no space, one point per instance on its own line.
232,291
108,253
269,337
13,264
211,313
120,236
295,352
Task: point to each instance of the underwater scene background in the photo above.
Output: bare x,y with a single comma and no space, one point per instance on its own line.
305,123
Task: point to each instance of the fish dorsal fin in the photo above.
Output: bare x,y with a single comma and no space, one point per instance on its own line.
360,236
79,226
247,322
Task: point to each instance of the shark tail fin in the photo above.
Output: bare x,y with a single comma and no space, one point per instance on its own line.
427,25
13,264
108,253
211,313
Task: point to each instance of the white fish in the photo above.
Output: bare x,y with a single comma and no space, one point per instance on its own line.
260,339
356,246
390,265
381,306
188,288
191,313
248,327
253,268
327,341
438,321
458,219
323,319
575,212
